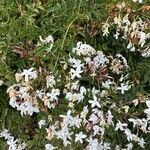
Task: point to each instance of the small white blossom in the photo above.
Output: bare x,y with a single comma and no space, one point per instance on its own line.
76,63
28,108
54,94
120,126
105,28
123,88
147,111
41,123
128,134
129,146
49,147
93,144
80,137
1,82
94,102
29,74
97,130
140,1
106,84
75,73
12,144
141,143
50,81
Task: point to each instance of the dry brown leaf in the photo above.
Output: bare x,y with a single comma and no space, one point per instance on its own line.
145,8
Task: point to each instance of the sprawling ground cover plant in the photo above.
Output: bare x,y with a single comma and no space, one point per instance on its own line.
75,75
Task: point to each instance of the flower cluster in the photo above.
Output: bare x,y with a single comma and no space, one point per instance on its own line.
11,142
91,79
21,94
134,31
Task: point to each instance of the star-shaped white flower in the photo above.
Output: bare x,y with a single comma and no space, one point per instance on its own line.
12,144
54,94
76,63
94,102
80,137
49,147
147,111
120,126
123,88
75,73
29,74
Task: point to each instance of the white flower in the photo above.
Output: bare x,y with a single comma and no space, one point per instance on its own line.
134,121
82,90
40,93
28,108
125,20
93,118
116,35
93,144
76,63
143,38
69,96
105,29
80,97
129,46
84,112
94,91
109,118
120,126
100,59
13,103
106,84
67,119
64,134
47,40
71,105
129,134
50,81
140,1
147,111
132,49
135,102
75,73
123,88
97,130
106,146
54,94
80,137
41,123
5,133
141,142
76,122
75,85
129,146
22,146
94,102
146,52
84,49
29,74
126,108
1,82
49,147
12,144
